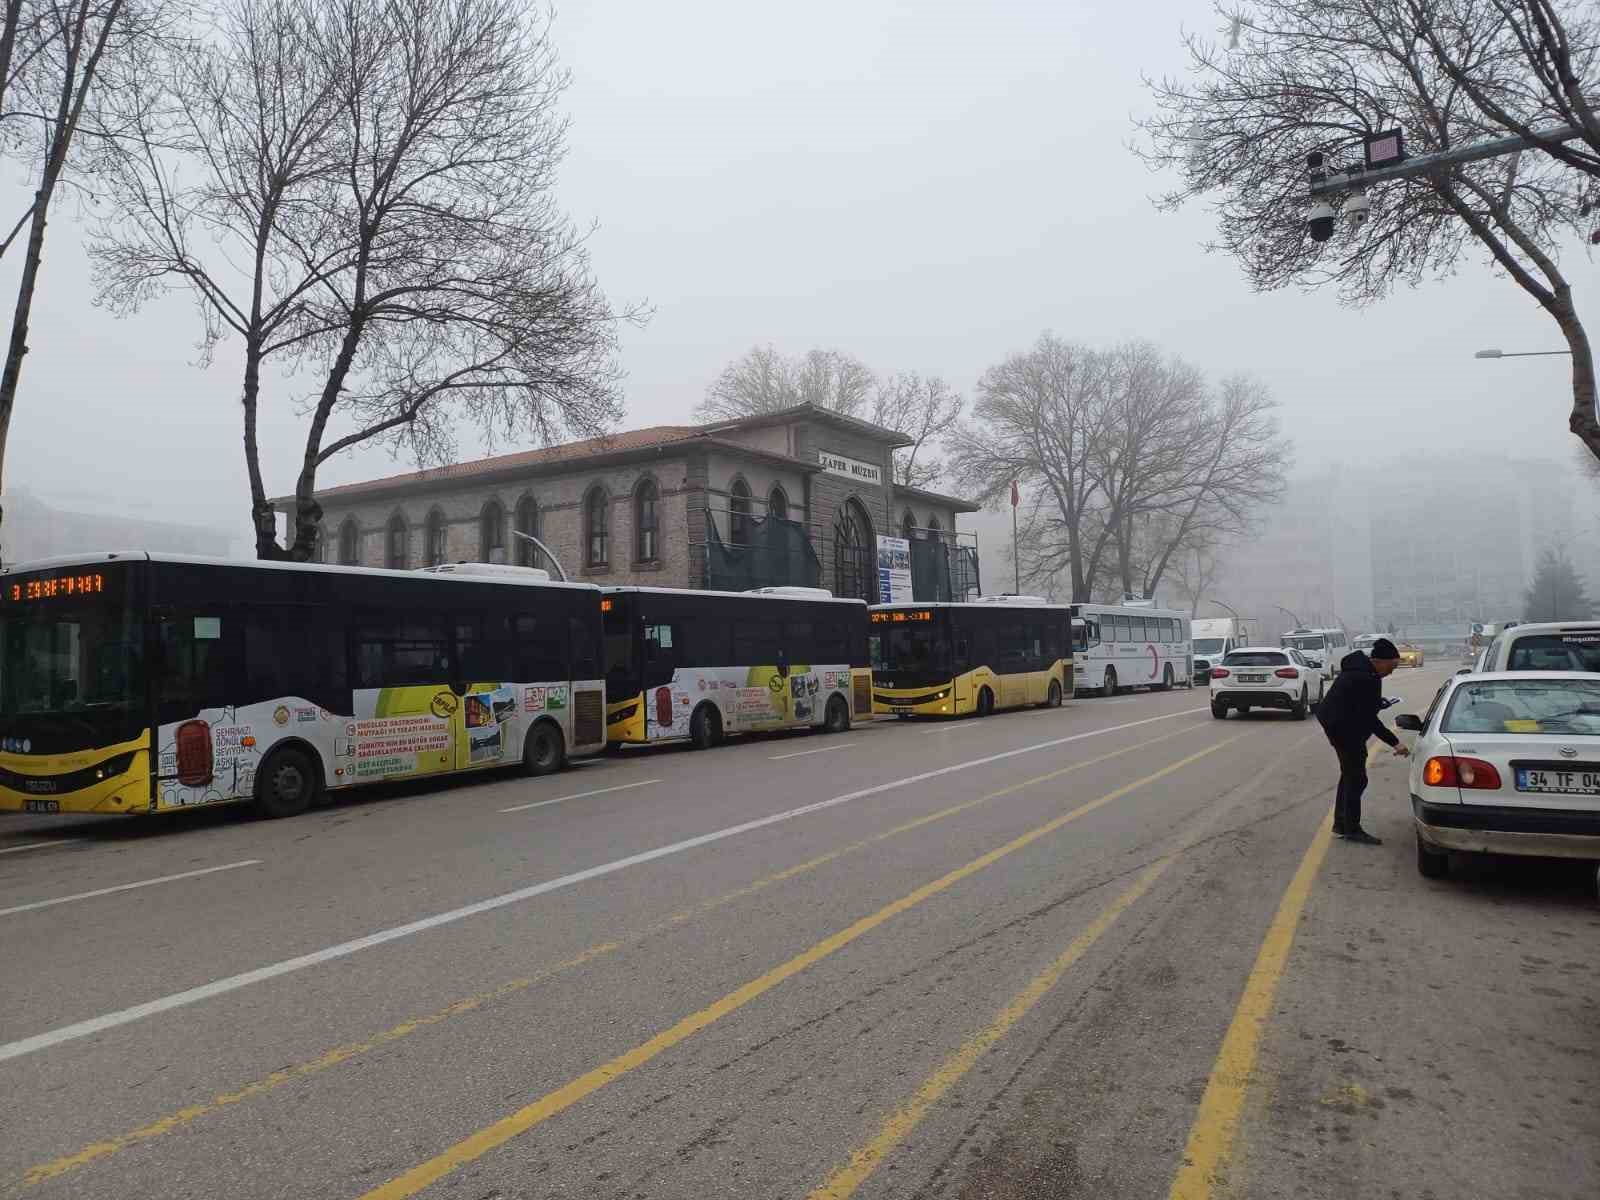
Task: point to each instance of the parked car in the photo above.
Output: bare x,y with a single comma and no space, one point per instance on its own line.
1410,655
1265,677
1545,646
1507,763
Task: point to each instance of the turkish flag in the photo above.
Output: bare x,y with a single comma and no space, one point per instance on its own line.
1016,496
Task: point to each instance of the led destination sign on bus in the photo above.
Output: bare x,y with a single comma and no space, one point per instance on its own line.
896,616
55,587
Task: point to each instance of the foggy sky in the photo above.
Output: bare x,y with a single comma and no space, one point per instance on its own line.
927,187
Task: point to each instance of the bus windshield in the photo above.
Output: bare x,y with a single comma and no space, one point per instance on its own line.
71,665
916,653
622,664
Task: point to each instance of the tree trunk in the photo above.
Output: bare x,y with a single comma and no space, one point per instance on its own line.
1582,420
262,516
18,346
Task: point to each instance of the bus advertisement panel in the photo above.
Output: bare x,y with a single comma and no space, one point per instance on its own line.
136,684
1121,646
951,659
698,665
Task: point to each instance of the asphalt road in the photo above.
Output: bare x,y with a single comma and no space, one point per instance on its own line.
1105,951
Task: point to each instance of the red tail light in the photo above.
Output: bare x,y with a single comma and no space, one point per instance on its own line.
1445,771
1219,672
1287,673
194,753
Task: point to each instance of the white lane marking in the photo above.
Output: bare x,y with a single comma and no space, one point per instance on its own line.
41,845
233,983
621,787
818,750
127,887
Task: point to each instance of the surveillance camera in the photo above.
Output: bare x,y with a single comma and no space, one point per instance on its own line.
1320,221
1358,208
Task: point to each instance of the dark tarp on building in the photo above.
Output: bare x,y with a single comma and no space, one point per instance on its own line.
776,553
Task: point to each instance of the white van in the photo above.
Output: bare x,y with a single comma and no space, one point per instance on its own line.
1322,648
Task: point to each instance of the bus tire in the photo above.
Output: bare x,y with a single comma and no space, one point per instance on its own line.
1166,679
286,784
544,750
1053,697
705,727
837,719
985,702
1110,688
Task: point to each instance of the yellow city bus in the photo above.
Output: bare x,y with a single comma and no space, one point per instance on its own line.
698,665
951,659
142,683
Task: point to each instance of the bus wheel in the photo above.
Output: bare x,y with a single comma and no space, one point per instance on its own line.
1166,679
985,702
838,718
1110,688
1053,699
705,727
286,784
543,750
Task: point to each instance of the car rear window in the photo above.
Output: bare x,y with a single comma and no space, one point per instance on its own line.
1561,706
1256,658
1555,652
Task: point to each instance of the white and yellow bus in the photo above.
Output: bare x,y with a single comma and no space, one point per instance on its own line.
952,659
1119,646
685,664
143,683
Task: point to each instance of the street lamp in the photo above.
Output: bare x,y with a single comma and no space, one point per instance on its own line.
1298,623
1518,353
1220,604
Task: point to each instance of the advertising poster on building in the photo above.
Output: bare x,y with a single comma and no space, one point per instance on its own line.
894,570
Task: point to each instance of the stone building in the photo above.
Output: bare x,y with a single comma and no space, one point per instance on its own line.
799,496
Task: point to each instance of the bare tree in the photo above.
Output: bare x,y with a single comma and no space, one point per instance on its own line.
1194,567
765,381
364,197
1313,75
58,59
1036,417
925,409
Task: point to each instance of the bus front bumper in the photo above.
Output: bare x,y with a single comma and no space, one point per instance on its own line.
118,783
625,720
923,701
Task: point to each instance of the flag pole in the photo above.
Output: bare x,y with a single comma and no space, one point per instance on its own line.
1016,560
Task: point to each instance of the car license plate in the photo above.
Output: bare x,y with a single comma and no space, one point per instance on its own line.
1581,783
1252,679
42,805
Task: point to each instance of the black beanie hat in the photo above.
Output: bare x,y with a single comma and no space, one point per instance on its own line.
1383,648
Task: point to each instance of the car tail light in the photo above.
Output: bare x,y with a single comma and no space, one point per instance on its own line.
1447,771
1219,672
194,753
1287,673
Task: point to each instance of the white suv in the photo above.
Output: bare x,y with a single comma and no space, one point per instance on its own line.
1544,646
1265,677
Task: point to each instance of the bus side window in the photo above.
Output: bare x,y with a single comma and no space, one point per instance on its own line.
540,651
193,670
584,641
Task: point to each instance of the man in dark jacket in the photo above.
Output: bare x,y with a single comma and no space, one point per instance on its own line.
1349,716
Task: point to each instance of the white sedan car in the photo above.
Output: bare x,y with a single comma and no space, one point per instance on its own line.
1265,677
1507,763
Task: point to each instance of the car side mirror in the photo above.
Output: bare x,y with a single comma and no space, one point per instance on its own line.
1409,722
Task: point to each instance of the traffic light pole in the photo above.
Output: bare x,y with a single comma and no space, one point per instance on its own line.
1324,186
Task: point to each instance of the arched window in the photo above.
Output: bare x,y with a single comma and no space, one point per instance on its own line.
739,513
349,543
646,528
778,504
855,564
527,522
319,545
908,525
597,527
492,533
394,554
935,530
434,545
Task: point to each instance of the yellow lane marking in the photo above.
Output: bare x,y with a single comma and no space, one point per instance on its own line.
864,1162
478,1144
1216,1124
185,1116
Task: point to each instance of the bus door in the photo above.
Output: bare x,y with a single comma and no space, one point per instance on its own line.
662,717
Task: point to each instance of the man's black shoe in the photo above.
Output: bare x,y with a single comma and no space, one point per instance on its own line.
1362,836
